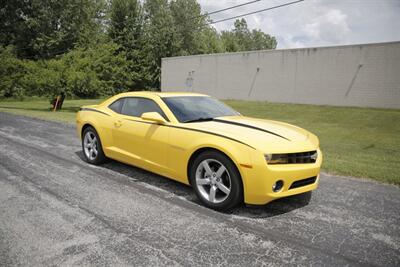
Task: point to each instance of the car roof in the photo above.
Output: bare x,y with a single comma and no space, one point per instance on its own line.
160,94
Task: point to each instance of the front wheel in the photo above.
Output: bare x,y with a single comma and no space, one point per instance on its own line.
91,146
216,181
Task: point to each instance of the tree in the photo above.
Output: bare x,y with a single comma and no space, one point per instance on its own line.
46,28
43,78
126,30
242,39
262,41
12,71
161,39
229,42
96,71
189,24
242,35
209,41
126,21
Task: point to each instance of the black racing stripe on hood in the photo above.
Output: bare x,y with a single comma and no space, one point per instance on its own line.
95,110
249,126
216,134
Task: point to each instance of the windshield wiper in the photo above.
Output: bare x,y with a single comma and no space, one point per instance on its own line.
200,119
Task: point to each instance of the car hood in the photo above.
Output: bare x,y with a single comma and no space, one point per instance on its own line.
265,135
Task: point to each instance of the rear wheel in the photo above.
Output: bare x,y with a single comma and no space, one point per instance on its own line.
216,180
91,146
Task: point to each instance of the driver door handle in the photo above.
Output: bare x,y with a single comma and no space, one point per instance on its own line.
118,123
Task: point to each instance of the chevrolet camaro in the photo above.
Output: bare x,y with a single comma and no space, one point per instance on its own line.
195,139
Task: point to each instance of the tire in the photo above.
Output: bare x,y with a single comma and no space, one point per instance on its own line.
91,146
216,180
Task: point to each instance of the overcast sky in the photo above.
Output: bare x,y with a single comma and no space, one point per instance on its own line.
316,22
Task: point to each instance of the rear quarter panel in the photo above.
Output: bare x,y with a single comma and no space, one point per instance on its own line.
101,122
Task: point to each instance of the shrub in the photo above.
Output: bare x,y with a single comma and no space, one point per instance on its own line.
12,71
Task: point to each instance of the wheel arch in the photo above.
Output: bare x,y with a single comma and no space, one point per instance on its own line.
86,125
200,150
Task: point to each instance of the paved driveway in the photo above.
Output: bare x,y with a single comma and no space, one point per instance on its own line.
56,209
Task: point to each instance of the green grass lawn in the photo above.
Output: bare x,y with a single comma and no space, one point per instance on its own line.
40,108
359,142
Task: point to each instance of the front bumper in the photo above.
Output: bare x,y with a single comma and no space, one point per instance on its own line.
258,180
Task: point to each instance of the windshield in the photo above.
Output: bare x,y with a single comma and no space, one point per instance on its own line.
197,108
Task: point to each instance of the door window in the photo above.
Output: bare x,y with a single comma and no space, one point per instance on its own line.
136,106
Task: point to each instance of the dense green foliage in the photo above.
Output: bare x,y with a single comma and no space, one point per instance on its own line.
242,39
90,48
82,72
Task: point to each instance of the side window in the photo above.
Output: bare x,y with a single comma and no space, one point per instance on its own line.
130,107
116,105
136,106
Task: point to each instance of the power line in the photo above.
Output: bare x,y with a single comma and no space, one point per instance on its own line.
254,12
227,8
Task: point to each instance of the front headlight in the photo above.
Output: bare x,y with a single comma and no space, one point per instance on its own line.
276,158
292,158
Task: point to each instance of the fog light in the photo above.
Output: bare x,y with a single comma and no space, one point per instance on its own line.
277,186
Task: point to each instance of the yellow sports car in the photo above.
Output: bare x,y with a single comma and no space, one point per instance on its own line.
195,139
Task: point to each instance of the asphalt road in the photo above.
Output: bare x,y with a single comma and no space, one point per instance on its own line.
55,209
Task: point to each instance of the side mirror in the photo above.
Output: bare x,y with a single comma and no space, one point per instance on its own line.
153,116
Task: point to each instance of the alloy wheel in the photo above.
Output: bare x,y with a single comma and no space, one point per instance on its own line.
213,181
90,145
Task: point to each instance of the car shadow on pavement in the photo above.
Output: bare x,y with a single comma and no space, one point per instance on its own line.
274,208
277,207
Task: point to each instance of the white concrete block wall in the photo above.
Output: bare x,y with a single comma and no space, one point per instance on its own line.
356,75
